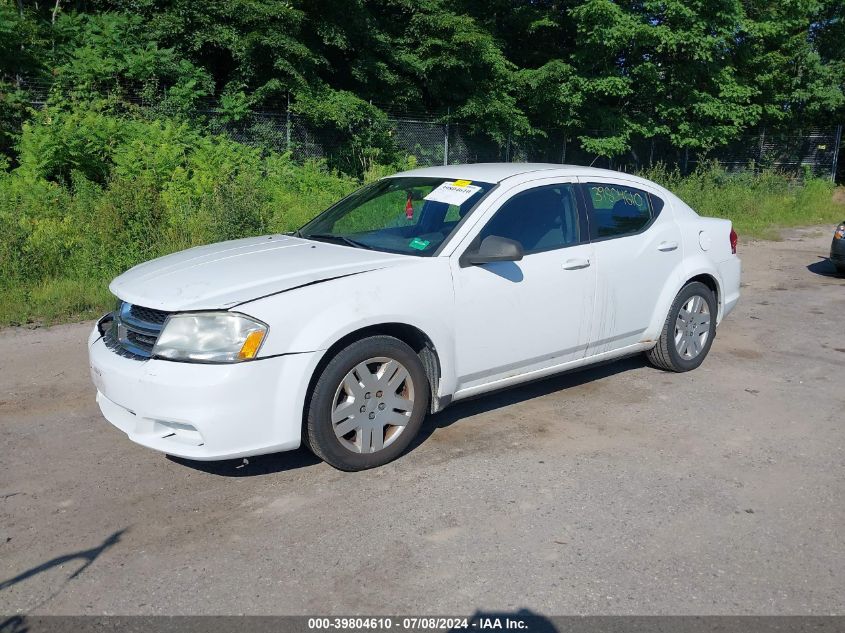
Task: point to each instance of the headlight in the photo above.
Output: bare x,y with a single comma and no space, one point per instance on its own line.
211,337
840,231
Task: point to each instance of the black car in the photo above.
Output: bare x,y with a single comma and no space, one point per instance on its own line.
837,249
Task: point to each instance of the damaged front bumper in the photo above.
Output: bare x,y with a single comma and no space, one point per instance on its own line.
203,411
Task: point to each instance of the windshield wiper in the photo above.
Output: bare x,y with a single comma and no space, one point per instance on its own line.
328,237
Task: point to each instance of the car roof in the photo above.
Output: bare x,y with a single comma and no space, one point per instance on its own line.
497,172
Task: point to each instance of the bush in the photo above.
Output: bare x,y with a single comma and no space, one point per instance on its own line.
756,201
96,194
337,114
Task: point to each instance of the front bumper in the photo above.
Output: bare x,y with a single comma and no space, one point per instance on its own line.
203,411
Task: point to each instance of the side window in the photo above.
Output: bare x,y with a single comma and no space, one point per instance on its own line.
617,210
540,219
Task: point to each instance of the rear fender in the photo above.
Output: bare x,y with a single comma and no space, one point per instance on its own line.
686,270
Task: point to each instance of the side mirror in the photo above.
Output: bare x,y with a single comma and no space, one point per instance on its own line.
494,249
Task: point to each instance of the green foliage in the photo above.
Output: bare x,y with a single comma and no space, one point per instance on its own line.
55,143
116,54
694,73
756,201
84,206
664,68
14,109
20,45
21,42
255,43
356,132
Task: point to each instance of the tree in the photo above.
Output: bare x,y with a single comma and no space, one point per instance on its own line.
696,73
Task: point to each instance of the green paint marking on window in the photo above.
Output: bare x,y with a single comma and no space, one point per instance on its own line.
419,244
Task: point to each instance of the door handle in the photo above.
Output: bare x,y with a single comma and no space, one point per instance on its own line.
575,264
667,246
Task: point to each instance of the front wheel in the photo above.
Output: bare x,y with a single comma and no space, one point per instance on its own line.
368,404
688,332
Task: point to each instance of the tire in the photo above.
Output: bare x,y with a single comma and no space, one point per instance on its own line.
692,345
365,387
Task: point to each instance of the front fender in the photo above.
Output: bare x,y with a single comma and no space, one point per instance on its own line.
315,317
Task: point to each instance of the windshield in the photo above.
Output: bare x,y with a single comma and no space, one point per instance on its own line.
412,216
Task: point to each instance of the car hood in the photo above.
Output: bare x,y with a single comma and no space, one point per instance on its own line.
223,275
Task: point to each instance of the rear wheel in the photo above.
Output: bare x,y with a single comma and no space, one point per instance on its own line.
368,404
688,331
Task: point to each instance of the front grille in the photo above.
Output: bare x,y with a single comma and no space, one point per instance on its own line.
148,315
144,341
114,344
134,330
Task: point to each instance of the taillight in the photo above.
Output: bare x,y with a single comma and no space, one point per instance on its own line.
734,240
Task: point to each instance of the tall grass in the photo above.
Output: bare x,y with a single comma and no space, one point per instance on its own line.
74,215
95,194
757,202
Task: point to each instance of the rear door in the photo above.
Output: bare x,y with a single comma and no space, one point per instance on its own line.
637,247
516,317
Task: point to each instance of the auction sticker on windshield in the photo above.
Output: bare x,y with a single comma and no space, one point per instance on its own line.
455,193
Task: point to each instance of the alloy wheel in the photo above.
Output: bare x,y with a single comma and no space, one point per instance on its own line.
692,327
373,405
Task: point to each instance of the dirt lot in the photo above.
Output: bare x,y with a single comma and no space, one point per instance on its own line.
621,489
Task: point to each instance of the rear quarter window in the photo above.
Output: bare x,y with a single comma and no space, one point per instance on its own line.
617,210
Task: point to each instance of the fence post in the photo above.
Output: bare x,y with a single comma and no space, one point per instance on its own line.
287,125
836,153
563,156
446,137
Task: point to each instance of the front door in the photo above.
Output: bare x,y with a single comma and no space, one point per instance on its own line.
513,318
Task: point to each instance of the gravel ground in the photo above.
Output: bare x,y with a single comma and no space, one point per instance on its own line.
617,490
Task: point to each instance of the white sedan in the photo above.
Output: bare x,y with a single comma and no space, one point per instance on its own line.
415,291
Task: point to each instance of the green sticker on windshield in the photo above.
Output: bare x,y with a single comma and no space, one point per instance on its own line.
419,244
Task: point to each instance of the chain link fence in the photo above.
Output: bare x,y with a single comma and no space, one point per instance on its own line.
438,141
435,142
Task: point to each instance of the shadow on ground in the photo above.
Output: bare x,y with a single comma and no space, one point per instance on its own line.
18,624
253,466
292,460
825,268
14,624
522,393
87,555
